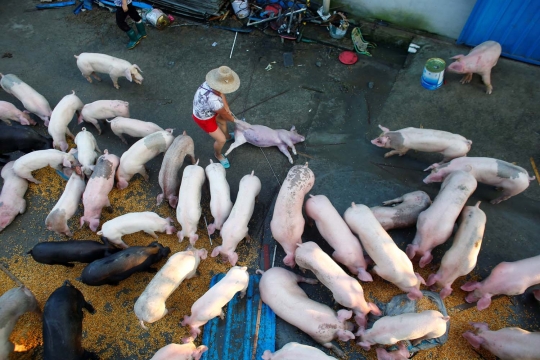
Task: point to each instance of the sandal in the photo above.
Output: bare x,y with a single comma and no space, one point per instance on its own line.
232,137
225,162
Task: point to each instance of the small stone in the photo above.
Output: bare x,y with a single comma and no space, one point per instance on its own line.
318,63
171,63
370,84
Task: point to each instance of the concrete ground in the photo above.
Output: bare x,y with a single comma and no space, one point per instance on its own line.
331,104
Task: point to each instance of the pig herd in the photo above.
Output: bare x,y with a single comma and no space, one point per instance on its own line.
93,173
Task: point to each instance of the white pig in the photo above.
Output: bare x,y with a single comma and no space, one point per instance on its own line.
391,263
60,119
507,278
236,227
188,211
150,306
449,145
510,178
96,194
345,289
30,98
90,63
220,196
212,302
86,150
12,201
480,60
173,160
405,213
130,223
347,247
461,258
435,224
402,353
35,160
8,113
280,291
102,110
180,352
287,223
144,150
132,127
388,330
66,207
510,343
13,304
296,351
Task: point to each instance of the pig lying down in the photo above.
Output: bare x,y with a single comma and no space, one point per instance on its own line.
9,113
263,136
450,145
479,61
180,352
90,63
102,110
405,211
510,178
12,202
507,343
32,101
296,351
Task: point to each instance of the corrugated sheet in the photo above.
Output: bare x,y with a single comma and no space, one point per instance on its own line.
515,24
197,9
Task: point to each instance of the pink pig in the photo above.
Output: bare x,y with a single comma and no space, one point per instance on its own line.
435,224
345,289
507,278
132,127
220,197
91,63
510,178
287,223
8,113
347,247
296,351
60,119
12,202
180,352
506,343
405,211
479,61
66,206
103,109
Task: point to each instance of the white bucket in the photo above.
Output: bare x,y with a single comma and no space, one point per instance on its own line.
241,8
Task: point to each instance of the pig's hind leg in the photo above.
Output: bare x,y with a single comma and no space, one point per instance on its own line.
285,151
95,76
486,79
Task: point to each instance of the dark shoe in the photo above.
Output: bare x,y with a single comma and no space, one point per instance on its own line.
134,39
141,29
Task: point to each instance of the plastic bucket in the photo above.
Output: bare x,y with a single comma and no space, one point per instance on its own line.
241,8
336,32
433,74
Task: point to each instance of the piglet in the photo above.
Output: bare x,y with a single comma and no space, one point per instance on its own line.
402,353
404,212
96,194
66,207
130,223
510,343
13,304
180,352
461,258
12,202
36,160
263,136
62,324
507,278
294,351
102,110
435,224
173,160
287,223
9,113
188,211
509,178
416,327
150,306
60,119
220,196
347,248
23,139
480,60
449,145
90,63
236,227
32,101
132,127
212,302
346,290
86,150
121,265
144,150
391,263
280,291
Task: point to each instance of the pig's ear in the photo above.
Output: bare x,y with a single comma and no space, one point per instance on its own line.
127,73
293,128
345,335
344,314
66,162
137,67
457,57
203,253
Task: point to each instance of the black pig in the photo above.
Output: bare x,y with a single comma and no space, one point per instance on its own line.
18,138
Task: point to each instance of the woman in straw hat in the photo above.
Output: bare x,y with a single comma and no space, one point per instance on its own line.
211,110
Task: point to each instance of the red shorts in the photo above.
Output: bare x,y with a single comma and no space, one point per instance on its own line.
208,125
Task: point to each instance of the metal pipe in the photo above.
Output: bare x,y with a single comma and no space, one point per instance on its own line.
326,7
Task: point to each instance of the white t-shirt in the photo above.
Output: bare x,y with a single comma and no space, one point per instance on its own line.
206,102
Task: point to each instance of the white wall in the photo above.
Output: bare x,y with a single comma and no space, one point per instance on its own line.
443,17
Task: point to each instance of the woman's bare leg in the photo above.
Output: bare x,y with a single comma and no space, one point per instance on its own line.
222,124
220,139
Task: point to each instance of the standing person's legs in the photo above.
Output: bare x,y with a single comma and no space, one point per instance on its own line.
121,16
222,123
132,12
219,142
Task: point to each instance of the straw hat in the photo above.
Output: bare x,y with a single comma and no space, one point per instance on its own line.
223,79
